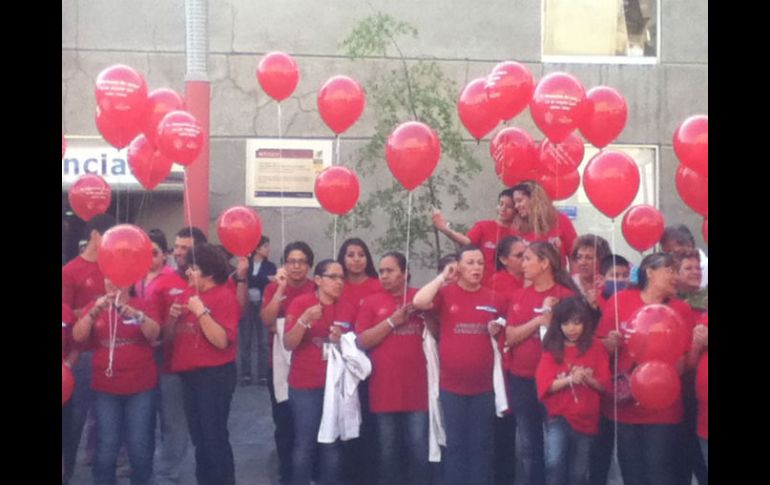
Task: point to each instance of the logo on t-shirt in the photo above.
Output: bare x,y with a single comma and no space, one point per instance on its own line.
175,291
382,312
489,245
515,308
89,283
454,308
470,329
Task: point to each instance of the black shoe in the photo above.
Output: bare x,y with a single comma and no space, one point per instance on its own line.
245,381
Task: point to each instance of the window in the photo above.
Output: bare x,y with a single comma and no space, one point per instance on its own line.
600,31
588,220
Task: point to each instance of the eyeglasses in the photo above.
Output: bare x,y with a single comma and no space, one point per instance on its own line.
335,277
296,262
518,255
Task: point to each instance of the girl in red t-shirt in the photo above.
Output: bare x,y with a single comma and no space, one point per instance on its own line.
123,379
573,371
360,275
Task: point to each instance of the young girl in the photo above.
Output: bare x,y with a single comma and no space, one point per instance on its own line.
573,372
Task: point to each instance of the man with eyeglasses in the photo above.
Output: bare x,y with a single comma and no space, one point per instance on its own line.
290,282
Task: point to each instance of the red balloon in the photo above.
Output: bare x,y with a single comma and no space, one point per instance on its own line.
655,385
63,146
116,130
121,90
90,195
656,333
341,101
337,189
278,75
412,151
642,226
239,229
514,153
691,143
559,158
180,137
475,109
559,187
693,188
124,255
605,116
558,105
509,89
161,101
705,229
147,163
611,181
67,383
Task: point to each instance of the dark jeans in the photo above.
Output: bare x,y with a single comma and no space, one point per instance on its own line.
529,430
601,453
469,423
306,407
505,449
704,447
284,432
128,419
82,399
207,394
66,428
360,455
250,328
647,453
690,460
567,453
403,448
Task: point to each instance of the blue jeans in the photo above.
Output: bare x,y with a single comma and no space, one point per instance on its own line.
704,447
81,402
174,436
601,453
403,448
306,408
529,430
284,432
250,328
124,418
207,394
469,423
505,449
567,453
647,453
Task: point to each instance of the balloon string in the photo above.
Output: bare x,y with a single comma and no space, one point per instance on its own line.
280,172
615,363
338,149
189,219
408,231
334,241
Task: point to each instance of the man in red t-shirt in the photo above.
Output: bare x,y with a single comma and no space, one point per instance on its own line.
81,283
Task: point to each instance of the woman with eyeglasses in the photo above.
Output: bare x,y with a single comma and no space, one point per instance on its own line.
538,220
147,286
529,316
466,311
121,328
290,282
485,235
647,439
312,320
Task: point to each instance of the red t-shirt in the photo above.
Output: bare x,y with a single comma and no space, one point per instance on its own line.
289,294
486,235
146,291
167,288
67,322
580,409
355,293
399,380
702,391
526,354
503,284
133,367
628,302
563,230
465,351
308,369
81,283
191,348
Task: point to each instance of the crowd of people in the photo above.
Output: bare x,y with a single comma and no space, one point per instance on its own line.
510,366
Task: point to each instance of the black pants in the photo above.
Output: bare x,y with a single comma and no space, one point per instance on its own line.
505,450
601,453
284,432
360,455
207,395
691,459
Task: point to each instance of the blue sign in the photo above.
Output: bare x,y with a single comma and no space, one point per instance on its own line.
569,211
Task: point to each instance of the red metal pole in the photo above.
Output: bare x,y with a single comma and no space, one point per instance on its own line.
196,195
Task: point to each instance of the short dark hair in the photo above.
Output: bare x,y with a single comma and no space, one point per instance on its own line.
263,240
100,223
571,308
193,232
602,247
506,193
298,246
682,254
320,268
158,237
678,233
400,260
445,260
210,260
611,260
354,241
653,261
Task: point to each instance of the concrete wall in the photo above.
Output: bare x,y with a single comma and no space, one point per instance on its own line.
467,39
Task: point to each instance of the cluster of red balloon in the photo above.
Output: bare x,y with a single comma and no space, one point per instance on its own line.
412,151
658,340
691,145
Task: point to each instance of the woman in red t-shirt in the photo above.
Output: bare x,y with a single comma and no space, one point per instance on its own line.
205,328
312,321
398,387
123,379
572,374
648,440
528,315
465,310
538,220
